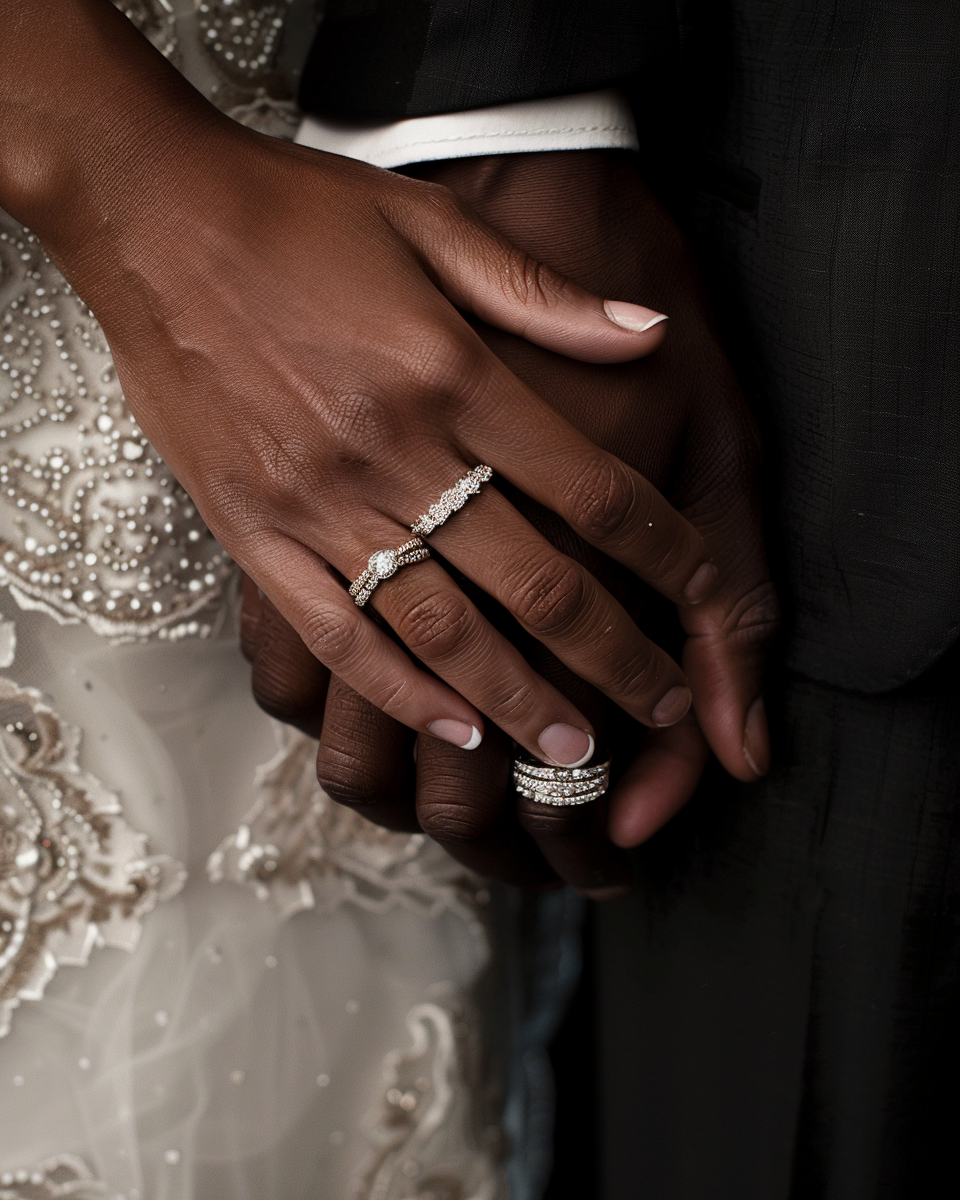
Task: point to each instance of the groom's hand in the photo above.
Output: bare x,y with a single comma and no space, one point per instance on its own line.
679,418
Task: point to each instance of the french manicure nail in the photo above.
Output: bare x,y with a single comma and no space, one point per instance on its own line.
701,583
566,746
756,738
672,707
634,317
458,733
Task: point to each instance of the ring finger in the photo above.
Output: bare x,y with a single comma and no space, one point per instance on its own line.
437,622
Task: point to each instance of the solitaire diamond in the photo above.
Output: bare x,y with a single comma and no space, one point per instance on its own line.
383,563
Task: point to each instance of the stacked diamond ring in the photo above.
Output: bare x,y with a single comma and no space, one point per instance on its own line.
384,563
452,500
560,786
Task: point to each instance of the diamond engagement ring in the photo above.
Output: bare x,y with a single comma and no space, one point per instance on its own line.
560,786
384,563
452,500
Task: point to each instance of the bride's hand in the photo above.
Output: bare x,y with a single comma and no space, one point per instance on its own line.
679,416
284,324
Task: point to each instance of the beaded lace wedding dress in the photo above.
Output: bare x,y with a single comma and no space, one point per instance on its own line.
214,983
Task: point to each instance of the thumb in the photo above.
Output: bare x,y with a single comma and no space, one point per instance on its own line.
483,273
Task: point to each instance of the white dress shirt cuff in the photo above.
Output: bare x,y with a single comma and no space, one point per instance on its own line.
589,121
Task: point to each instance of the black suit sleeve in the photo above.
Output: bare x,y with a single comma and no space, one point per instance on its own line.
389,59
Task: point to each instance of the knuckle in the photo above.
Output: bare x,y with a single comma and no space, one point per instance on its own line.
512,706
343,776
754,621
393,696
437,625
549,825
331,636
607,501
550,600
530,281
439,362
360,428
445,202
639,676
451,822
283,469
288,703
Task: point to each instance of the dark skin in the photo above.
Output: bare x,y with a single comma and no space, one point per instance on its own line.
679,418
288,330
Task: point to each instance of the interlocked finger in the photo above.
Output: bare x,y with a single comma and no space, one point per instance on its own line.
605,501
288,682
564,607
464,803
365,760
447,632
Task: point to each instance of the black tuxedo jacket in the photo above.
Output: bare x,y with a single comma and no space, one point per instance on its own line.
815,148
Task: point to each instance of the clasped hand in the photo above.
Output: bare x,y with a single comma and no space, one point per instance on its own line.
679,417
286,330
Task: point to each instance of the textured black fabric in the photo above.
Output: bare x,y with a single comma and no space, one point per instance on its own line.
781,1001
839,288
405,58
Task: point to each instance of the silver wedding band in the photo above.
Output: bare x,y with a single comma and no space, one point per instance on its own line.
382,564
452,500
560,786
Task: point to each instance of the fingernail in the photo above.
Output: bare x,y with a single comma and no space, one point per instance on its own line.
458,733
701,583
566,746
634,317
756,738
672,706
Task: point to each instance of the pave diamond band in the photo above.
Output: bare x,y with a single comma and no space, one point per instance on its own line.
560,786
384,563
452,500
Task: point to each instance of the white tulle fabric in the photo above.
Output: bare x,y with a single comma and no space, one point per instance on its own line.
214,984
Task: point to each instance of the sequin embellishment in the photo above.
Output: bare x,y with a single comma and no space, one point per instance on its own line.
73,873
65,1175
61,1176
93,526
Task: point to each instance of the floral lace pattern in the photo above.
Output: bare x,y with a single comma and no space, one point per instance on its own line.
73,872
93,526
429,1145
300,850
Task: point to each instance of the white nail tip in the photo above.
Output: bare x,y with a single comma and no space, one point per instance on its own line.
626,316
581,762
475,739
750,763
